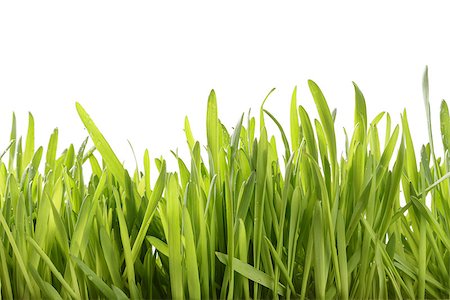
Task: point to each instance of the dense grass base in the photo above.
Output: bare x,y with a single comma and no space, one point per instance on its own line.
232,224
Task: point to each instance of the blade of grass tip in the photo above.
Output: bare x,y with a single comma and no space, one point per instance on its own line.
445,125
212,130
235,142
261,110
295,127
326,119
51,151
308,133
102,146
383,165
426,98
174,232
411,163
12,150
29,146
189,137
283,136
134,156
126,247
148,191
360,109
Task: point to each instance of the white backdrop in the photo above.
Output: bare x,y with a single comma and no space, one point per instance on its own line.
139,68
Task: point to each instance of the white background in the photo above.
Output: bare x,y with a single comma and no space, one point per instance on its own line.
139,68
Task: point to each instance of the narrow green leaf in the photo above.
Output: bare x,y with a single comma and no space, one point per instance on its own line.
174,239
325,118
445,125
251,273
102,146
295,127
29,146
95,279
191,258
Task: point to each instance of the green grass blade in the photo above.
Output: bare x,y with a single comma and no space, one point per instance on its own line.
191,258
212,129
102,146
52,267
251,273
95,279
29,146
18,256
325,118
295,127
174,240
125,237
445,125
47,288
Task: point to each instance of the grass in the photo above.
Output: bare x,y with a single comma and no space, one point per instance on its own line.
241,222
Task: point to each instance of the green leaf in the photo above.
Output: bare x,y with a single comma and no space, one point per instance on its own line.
125,237
29,146
174,239
94,278
102,146
251,273
320,270
295,127
191,258
212,129
325,118
360,108
281,265
47,288
111,258
150,210
308,133
159,245
445,125
52,267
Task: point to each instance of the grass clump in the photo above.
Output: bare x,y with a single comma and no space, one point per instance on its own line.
241,222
